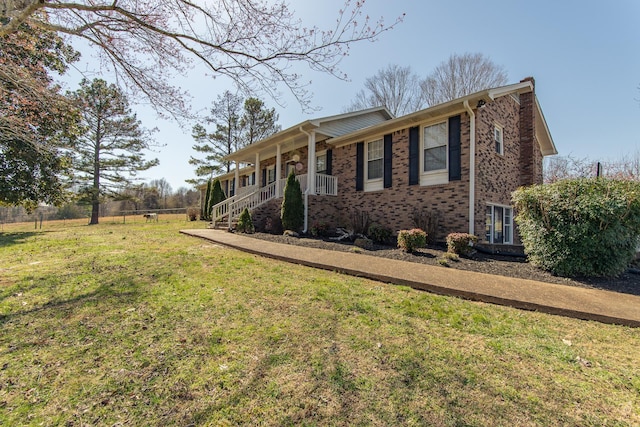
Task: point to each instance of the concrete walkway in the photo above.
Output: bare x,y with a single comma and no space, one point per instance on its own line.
581,303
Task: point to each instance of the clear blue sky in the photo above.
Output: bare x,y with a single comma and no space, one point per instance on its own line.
584,55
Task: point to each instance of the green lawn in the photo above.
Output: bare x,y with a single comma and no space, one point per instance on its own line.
135,324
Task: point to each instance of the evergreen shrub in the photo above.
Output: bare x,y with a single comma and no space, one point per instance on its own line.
292,213
217,196
205,212
245,223
580,227
379,233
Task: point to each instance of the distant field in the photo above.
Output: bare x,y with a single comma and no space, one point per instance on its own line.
132,324
113,219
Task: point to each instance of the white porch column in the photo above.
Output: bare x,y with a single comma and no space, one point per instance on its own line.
278,169
236,184
311,166
256,169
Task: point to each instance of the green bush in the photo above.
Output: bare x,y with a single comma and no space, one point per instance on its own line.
319,229
205,212
217,196
409,240
461,243
292,213
580,227
245,223
379,233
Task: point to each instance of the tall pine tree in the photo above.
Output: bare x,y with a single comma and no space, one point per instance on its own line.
236,125
109,155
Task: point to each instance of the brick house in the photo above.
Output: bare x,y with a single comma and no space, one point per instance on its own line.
462,158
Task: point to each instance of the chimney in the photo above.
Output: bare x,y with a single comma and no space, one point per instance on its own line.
530,156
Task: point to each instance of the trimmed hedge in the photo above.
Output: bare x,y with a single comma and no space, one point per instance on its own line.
580,227
409,240
461,243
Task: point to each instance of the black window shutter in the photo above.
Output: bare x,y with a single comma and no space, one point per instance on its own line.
360,166
329,162
264,177
414,155
388,163
455,150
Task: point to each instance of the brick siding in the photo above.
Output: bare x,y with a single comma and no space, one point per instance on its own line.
497,175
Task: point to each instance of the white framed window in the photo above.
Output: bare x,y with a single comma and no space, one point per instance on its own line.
271,174
499,224
321,162
498,139
434,159
374,165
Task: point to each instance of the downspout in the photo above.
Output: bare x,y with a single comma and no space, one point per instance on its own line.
472,166
306,192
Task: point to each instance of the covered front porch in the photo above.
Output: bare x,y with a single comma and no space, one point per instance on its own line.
261,169
252,196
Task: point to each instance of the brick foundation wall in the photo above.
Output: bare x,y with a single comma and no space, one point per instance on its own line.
259,215
324,209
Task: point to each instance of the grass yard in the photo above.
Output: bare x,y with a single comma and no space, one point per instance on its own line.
135,324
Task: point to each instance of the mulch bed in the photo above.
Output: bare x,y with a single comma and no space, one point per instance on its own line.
509,266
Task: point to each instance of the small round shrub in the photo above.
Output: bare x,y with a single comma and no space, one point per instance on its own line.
461,243
410,240
245,223
379,233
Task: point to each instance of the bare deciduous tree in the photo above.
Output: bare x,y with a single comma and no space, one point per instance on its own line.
394,87
557,168
252,42
462,75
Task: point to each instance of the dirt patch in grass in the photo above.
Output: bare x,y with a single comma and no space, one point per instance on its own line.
509,266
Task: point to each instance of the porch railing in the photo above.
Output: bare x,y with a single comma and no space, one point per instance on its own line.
326,185
252,200
254,196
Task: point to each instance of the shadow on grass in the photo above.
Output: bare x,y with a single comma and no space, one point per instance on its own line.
7,239
123,293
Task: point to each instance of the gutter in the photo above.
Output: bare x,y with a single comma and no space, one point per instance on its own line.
306,192
472,166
